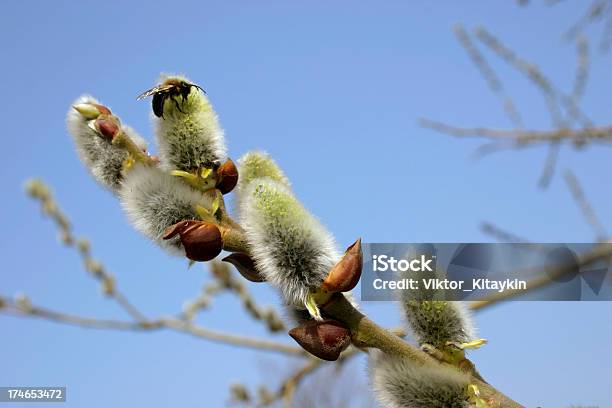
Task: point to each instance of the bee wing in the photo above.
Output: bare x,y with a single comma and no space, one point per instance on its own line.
153,91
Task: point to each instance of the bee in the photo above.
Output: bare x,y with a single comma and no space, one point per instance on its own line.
170,88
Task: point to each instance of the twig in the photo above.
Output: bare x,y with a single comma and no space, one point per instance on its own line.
367,334
606,36
39,191
527,137
24,308
595,11
552,96
550,164
226,280
600,252
530,70
603,251
586,208
501,234
582,69
288,387
489,76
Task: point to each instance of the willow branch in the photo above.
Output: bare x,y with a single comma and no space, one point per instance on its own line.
489,75
551,94
40,192
600,252
367,334
584,205
225,280
366,331
501,234
525,137
287,389
23,308
596,11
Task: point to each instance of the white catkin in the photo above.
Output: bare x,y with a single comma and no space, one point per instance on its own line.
189,136
103,160
154,200
434,321
254,165
398,383
290,247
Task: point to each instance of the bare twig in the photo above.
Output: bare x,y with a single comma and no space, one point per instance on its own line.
490,76
520,138
287,389
582,69
600,252
39,191
586,208
225,280
24,308
596,11
501,234
550,164
606,36
530,70
552,96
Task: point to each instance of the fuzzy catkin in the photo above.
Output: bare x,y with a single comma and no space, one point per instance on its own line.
290,247
104,161
437,322
189,135
154,200
398,383
258,164
432,319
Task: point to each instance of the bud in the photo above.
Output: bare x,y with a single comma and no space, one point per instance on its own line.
91,110
324,339
202,240
104,160
23,302
239,393
103,109
227,176
88,111
107,126
346,273
245,265
108,285
83,245
265,396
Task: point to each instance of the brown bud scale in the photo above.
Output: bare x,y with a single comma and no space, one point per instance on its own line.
202,240
324,339
227,176
347,272
107,126
245,265
102,109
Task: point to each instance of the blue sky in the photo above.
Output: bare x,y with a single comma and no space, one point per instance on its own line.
334,92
